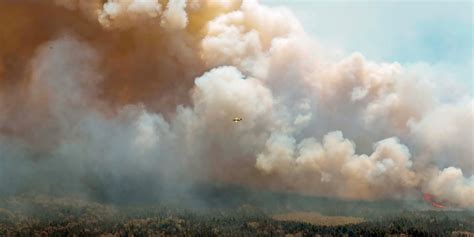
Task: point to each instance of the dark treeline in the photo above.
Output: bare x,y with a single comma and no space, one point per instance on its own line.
43,216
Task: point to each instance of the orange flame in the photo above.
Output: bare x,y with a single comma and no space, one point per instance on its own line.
429,198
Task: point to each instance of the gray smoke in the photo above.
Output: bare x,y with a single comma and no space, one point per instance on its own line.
135,96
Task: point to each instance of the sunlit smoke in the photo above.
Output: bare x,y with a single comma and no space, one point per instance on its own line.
141,95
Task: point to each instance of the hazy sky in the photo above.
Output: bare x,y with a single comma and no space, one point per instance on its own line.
435,32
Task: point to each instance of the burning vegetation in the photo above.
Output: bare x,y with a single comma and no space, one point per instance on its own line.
281,215
122,102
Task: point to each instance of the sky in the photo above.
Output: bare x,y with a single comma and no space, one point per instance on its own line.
437,33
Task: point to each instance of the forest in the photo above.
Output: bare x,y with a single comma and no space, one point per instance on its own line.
232,213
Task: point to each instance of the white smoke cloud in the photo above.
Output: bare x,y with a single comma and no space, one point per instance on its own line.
175,16
450,184
154,106
332,167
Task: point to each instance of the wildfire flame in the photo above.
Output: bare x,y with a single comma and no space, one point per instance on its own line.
429,198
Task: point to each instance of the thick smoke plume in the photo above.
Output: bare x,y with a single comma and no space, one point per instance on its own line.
137,96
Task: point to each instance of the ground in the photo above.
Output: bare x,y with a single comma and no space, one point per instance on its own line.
249,215
317,219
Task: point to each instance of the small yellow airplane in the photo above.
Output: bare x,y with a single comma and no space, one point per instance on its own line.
236,119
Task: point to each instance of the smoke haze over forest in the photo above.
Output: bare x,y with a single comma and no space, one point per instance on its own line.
130,97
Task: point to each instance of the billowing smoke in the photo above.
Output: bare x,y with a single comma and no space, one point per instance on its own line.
137,96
